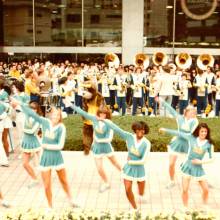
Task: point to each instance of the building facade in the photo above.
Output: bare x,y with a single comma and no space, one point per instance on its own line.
91,28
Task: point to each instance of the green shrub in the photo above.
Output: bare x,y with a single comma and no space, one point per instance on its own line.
158,142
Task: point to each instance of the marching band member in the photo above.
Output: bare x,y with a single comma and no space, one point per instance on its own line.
217,96
200,82
103,87
200,143
101,145
184,86
120,84
186,123
138,148
152,88
137,84
165,88
210,82
53,139
79,87
111,75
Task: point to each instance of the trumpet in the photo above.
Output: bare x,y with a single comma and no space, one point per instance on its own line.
160,58
183,60
205,60
112,60
141,60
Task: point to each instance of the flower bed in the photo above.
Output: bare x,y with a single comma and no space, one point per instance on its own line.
69,214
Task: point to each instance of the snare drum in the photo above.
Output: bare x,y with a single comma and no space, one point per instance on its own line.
44,99
55,100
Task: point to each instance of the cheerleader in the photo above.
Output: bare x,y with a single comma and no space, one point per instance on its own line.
18,93
4,109
7,123
101,145
53,138
30,142
178,145
217,96
200,143
138,147
3,202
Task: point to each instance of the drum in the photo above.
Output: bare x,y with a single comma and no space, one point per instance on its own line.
55,100
44,99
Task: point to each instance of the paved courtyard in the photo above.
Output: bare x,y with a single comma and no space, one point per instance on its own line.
85,182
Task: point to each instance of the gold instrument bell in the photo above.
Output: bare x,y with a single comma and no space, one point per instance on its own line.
205,60
183,60
141,59
112,60
160,58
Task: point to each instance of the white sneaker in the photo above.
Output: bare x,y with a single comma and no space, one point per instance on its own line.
152,115
170,185
4,165
74,204
5,204
104,187
33,183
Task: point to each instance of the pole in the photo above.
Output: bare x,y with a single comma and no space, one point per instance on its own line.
174,28
33,9
82,28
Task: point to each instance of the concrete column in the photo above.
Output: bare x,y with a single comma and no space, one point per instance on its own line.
132,29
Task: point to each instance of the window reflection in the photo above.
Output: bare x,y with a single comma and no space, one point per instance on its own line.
16,23
58,23
102,22
197,33
158,23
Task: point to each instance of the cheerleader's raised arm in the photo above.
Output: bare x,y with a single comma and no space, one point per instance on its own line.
192,141
123,134
84,114
171,110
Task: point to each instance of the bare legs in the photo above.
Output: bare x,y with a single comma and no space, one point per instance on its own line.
27,166
46,176
185,195
99,166
129,192
5,134
172,163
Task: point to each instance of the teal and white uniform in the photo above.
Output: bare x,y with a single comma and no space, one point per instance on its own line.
20,116
137,152
197,150
4,109
53,139
102,135
30,141
6,122
179,145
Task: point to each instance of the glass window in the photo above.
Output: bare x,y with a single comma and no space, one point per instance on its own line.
16,23
58,22
102,23
158,23
194,31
